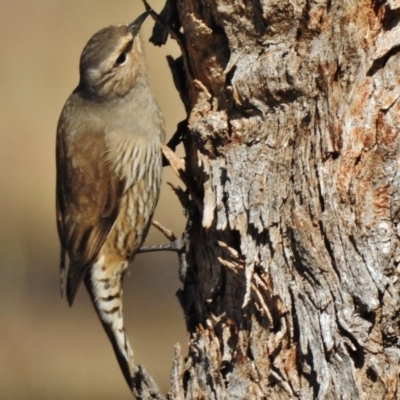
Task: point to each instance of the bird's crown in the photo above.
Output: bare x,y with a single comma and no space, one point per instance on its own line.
112,60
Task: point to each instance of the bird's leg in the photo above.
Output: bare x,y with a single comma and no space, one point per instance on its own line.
173,246
179,245
176,244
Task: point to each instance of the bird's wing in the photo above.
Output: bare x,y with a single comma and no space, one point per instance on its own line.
88,201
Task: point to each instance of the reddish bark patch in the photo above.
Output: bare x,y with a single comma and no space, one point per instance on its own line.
386,133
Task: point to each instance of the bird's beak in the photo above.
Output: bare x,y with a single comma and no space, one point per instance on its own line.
134,26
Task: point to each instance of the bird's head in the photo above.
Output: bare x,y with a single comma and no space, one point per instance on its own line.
113,60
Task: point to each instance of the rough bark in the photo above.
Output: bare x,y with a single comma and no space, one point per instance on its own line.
292,146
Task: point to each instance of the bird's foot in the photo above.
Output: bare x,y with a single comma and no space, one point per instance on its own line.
179,245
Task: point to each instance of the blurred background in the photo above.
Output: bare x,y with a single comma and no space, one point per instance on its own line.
48,350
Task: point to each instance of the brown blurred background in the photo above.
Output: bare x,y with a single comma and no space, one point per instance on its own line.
48,350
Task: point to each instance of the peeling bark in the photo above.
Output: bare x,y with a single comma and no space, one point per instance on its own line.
292,289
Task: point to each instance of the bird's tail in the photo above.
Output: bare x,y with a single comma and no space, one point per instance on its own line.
106,295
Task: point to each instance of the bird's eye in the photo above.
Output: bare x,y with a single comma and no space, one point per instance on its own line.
121,60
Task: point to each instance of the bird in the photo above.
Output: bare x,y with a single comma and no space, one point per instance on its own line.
109,172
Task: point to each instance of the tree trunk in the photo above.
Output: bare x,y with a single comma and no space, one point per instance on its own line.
292,144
